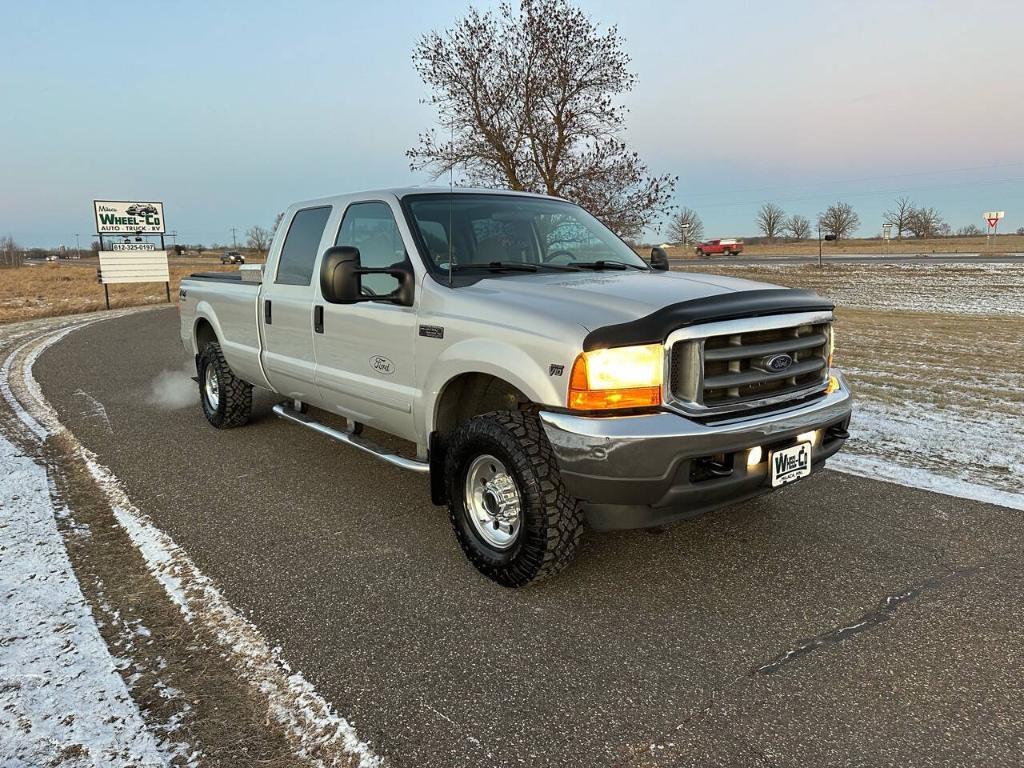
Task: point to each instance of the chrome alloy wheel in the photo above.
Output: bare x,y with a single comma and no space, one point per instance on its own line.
492,502
211,388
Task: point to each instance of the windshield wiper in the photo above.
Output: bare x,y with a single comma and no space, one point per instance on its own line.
512,266
603,264
496,266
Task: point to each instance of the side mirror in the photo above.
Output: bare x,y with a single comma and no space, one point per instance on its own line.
341,278
659,259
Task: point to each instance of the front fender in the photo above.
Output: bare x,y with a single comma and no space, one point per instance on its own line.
529,374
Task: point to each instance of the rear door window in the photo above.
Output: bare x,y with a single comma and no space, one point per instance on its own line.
299,252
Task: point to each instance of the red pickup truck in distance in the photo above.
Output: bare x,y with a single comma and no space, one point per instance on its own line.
726,247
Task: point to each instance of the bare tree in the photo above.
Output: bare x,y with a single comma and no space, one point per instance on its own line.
276,224
1020,230
925,222
11,253
839,219
900,215
971,230
527,100
770,220
798,227
685,226
258,239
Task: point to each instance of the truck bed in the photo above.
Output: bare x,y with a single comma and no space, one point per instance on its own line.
236,319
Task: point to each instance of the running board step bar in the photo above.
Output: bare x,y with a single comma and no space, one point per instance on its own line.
370,447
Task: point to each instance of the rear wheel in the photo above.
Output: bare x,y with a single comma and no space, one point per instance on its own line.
226,399
511,513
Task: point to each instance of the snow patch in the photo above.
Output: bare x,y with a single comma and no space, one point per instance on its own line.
61,697
914,477
937,448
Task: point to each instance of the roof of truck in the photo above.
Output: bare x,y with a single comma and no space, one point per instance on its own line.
401,192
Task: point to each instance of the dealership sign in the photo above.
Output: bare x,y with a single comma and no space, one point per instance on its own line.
133,267
120,217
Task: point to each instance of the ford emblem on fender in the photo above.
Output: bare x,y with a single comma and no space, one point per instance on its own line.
778,363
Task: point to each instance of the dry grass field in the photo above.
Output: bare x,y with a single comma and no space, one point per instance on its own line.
68,288
999,244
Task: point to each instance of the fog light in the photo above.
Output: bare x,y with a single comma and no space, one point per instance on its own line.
754,457
809,437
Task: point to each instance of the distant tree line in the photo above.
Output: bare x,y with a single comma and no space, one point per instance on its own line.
839,219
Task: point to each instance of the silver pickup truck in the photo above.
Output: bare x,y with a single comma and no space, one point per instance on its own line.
544,375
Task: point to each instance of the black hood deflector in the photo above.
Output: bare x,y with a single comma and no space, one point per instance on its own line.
653,328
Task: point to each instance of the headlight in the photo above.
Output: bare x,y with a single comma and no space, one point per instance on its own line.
623,377
831,344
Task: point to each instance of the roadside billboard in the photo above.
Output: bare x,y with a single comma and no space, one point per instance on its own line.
124,217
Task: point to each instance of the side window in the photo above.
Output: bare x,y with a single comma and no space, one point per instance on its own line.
371,228
299,252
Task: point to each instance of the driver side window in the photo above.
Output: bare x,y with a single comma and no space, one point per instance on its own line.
371,228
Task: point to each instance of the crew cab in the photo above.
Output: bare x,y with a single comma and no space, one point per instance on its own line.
541,374
725,247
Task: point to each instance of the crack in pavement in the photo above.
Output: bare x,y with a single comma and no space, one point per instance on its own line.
885,611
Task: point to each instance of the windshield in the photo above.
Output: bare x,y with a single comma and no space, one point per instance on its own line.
482,229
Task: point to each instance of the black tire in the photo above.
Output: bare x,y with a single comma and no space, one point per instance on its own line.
551,519
234,396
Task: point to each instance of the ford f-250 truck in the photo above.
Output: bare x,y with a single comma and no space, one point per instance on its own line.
544,376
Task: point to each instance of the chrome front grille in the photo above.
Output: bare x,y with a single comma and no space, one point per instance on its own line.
748,363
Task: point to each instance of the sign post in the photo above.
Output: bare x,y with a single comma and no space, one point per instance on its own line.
131,259
886,232
992,217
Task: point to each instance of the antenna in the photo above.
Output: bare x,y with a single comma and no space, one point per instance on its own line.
451,197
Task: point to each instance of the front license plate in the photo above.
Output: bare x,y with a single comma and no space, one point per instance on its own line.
790,464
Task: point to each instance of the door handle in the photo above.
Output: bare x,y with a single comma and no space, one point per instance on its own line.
266,311
318,318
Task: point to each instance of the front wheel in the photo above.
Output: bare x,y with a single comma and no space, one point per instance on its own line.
227,399
511,512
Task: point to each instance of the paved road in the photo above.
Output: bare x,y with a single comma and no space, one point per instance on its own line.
864,258
841,621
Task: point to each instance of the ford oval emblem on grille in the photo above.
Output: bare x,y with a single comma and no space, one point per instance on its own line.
778,363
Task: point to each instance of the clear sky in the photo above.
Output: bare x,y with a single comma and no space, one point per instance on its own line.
230,111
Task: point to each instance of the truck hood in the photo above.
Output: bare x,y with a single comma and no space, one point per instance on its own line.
598,299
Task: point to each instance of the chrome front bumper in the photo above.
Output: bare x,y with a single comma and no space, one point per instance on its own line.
636,471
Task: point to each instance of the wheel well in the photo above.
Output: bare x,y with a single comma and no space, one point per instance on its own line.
465,396
471,394
204,334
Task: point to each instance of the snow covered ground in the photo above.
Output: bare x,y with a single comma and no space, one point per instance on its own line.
62,700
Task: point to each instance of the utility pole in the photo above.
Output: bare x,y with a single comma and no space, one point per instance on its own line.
234,242
78,247
819,245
